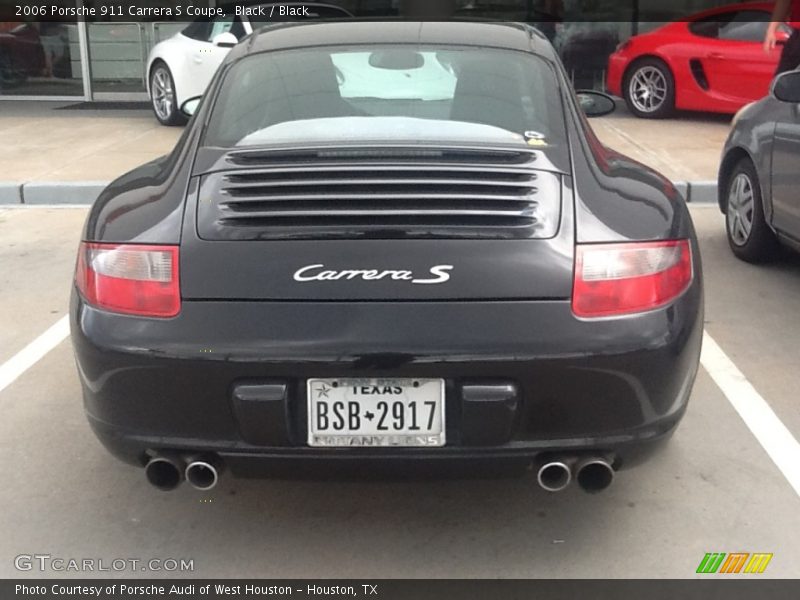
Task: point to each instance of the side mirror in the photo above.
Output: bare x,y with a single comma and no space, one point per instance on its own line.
225,40
786,87
189,107
595,104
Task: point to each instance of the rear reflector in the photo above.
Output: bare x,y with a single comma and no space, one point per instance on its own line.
130,279
615,279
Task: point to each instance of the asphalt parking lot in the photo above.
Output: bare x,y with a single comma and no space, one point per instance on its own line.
714,489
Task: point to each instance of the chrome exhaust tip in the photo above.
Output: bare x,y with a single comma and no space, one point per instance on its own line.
164,472
594,474
203,473
554,476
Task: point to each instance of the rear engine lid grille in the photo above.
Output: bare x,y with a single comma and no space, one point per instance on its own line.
379,193
380,154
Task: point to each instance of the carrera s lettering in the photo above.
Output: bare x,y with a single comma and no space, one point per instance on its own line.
317,273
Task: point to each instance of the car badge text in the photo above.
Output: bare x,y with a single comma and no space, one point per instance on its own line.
439,274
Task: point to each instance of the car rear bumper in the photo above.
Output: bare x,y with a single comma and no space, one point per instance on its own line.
243,460
614,385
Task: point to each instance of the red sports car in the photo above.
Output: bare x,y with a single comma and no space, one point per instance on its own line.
712,61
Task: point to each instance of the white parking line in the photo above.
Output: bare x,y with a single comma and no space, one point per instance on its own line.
764,424
30,354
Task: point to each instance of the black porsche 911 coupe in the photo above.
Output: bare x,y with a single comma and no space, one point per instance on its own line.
388,245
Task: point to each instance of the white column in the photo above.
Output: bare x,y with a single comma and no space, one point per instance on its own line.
83,44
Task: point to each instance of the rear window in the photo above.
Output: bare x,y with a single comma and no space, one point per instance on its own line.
389,93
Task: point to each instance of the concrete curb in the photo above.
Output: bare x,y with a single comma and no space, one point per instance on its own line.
86,192
61,192
701,192
10,192
683,188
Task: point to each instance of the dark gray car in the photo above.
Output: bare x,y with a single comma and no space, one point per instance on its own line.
759,178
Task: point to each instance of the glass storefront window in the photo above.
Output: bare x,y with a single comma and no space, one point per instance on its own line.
40,58
117,55
47,58
118,50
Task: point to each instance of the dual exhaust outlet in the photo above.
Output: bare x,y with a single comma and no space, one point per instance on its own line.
593,473
166,470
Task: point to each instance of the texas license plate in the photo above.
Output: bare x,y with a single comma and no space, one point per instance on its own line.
376,412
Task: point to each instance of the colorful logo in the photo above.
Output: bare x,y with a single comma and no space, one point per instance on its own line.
735,562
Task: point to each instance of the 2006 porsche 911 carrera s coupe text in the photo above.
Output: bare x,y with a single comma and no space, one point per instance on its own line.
388,245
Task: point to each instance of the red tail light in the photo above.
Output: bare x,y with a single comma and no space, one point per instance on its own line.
615,279
130,279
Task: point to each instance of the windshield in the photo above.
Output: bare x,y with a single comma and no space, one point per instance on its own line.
389,93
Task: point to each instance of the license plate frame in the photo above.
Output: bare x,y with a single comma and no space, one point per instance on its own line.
417,392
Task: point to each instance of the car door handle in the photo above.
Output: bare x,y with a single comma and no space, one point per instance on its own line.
716,55
198,59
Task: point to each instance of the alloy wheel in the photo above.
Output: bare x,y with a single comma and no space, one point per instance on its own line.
648,89
162,93
740,209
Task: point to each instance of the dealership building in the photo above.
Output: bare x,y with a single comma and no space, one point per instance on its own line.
104,58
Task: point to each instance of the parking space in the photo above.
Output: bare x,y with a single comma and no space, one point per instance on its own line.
37,254
55,142
751,310
684,149
713,489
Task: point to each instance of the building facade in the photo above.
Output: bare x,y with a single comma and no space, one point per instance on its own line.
104,59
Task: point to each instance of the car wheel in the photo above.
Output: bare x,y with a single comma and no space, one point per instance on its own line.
749,235
649,89
163,96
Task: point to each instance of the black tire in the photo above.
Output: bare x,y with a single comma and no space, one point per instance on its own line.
662,81
759,244
163,100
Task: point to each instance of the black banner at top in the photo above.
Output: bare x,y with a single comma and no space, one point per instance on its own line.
532,11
